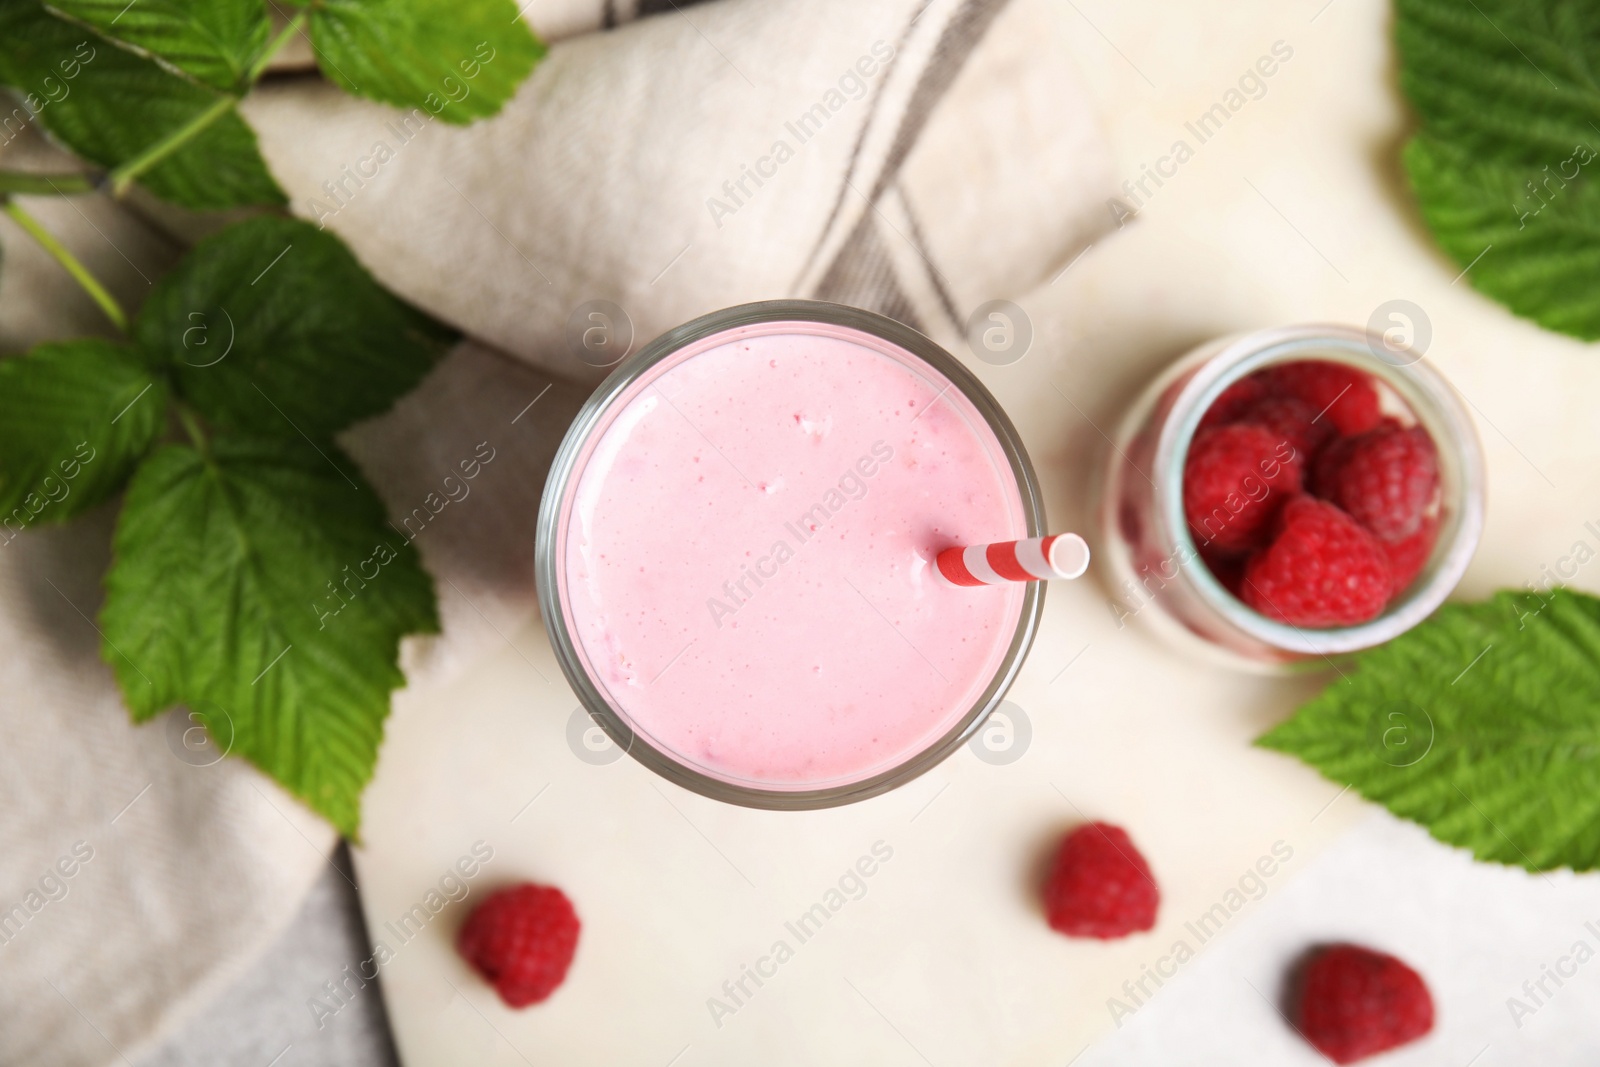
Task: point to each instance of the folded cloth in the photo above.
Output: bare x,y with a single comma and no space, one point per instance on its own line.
873,154
914,158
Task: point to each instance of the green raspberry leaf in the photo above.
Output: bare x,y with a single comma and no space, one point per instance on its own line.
273,326
75,418
1482,724
458,59
1510,129
215,41
1543,258
264,589
109,105
1508,79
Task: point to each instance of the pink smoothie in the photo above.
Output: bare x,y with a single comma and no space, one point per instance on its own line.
748,555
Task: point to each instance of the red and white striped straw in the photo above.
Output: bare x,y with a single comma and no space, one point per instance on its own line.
1056,556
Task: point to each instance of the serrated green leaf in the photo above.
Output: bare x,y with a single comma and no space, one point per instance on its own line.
1505,79
1536,252
1510,123
273,326
458,59
264,585
215,41
1482,724
109,105
74,419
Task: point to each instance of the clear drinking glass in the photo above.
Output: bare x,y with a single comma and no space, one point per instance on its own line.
1152,559
938,369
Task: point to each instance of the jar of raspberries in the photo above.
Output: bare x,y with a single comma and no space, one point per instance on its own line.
1291,495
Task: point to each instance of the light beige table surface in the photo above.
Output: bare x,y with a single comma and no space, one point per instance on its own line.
1294,211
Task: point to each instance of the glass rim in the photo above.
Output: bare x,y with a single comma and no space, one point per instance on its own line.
1431,399
550,538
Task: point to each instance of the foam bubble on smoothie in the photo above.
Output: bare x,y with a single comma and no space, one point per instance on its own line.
759,601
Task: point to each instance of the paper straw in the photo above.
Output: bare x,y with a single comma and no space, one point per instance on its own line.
1035,559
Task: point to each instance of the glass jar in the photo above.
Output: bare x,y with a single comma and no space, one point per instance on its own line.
1154,564
570,610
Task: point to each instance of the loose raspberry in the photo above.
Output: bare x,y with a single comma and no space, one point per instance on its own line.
1293,420
1385,478
1407,557
1100,886
1322,569
521,940
1348,397
1356,1003
1234,399
1234,479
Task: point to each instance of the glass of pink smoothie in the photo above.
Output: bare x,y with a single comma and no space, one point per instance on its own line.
735,553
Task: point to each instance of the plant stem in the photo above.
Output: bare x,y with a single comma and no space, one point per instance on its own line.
79,272
275,46
28,184
123,176
191,426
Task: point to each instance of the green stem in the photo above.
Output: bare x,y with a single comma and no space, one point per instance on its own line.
191,426
12,181
79,272
124,176
259,67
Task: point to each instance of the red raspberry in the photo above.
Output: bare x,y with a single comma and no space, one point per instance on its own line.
1293,420
1323,569
521,940
1234,399
1348,396
1100,886
1407,557
1234,479
1322,472
1385,478
1356,1003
